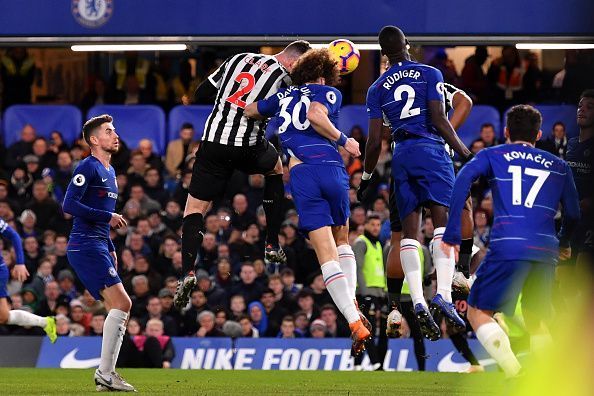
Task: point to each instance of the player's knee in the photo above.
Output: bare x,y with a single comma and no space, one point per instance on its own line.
126,304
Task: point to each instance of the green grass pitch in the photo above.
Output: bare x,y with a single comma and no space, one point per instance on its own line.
26,381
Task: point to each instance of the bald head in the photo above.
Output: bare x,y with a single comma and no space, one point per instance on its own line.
393,42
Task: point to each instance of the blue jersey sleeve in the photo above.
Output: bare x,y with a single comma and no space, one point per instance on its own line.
479,166
571,208
75,192
374,108
435,88
269,106
331,98
7,232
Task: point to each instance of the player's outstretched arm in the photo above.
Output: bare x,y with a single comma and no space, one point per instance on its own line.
462,104
441,122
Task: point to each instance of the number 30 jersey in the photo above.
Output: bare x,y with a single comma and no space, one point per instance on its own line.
527,186
298,138
243,78
401,96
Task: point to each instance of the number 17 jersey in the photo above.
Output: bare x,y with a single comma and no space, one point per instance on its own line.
527,186
401,97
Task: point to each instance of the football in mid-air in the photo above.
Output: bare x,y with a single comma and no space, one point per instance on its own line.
346,53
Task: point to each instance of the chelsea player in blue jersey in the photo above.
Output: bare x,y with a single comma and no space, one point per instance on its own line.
410,96
319,182
18,317
528,184
91,199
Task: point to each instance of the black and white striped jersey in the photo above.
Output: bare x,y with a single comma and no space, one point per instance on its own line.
242,79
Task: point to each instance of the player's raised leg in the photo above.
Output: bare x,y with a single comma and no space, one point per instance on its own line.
348,264
337,285
106,377
274,193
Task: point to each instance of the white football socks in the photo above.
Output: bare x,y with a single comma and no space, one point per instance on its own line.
113,334
495,341
411,265
338,288
346,258
444,266
24,318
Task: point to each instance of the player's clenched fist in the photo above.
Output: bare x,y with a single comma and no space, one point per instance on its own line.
117,221
352,146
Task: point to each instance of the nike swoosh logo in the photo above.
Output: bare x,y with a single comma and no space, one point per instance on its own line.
110,382
103,180
71,361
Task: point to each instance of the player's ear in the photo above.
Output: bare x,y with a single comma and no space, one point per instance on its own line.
539,135
506,133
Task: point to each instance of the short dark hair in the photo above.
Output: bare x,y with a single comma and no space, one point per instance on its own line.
588,93
187,125
313,65
487,125
298,47
327,307
372,217
289,318
267,291
558,123
523,123
91,126
391,40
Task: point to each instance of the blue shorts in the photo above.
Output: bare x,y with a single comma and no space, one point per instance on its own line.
423,173
321,195
498,285
93,265
3,280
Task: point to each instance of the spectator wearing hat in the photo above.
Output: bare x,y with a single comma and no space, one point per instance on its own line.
215,295
31,162
154,310
317,329
21,183
258,316
166,297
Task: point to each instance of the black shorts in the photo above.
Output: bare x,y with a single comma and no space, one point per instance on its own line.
395,223
216,162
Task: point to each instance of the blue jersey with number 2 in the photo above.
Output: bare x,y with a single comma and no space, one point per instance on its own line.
401,97
527,185
298,138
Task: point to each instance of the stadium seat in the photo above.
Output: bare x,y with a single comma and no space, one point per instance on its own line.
567,114
553,113
44,118
195,114
134,123
350,116
479,115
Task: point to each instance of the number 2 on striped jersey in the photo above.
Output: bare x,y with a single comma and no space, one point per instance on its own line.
246,89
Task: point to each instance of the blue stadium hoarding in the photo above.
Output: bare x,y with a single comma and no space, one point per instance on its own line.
297,17
266,354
